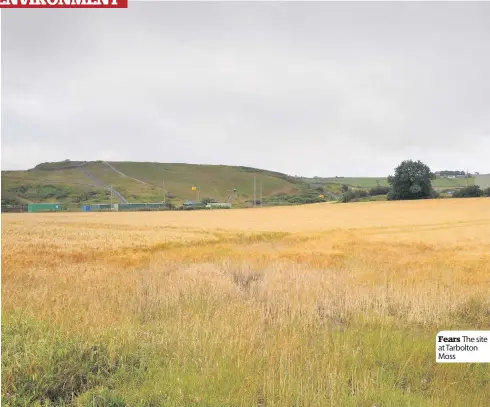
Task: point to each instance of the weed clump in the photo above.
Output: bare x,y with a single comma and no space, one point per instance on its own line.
43,366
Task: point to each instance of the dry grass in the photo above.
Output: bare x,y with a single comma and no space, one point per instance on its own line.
319,305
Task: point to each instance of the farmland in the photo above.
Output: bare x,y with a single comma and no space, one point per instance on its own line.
315,305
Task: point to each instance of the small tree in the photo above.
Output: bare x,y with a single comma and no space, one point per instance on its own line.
353,195
344,188
412,180
348,196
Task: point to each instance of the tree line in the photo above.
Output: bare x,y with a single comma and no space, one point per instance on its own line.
412,180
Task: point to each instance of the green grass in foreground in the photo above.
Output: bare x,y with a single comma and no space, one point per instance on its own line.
364,363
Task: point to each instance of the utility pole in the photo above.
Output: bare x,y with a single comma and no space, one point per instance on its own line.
111,197
164,192
255,189
198,193
261,193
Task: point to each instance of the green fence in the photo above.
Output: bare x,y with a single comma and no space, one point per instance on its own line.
44,207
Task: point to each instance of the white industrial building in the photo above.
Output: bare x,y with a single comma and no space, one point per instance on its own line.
482,180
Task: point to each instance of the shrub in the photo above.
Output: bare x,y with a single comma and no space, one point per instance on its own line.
468,192
353,195
486,191
306,197
348,196
10,200
379,190
207,200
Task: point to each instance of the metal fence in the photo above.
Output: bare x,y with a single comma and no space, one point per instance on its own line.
159,206
14,208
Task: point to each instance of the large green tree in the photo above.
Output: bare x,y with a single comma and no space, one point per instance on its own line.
412,180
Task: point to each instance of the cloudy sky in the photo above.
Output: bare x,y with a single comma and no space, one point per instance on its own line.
305,88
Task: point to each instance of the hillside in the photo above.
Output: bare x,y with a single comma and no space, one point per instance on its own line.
89,182
82,182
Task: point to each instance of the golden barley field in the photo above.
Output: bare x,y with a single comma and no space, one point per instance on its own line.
314,305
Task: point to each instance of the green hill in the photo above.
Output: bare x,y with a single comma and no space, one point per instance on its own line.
82,182
89,182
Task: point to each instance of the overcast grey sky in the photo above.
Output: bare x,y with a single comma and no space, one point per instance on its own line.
304,88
